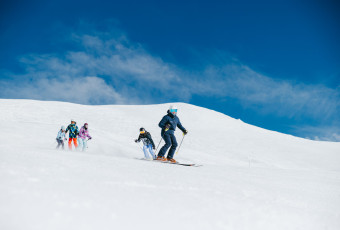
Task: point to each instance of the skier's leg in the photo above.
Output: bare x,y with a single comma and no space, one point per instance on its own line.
145,150
80,143
62,144
84,144
173,146
75,142
70,143
151,151
166,146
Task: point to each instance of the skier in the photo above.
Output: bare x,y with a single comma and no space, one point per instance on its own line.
148,143
61,137
83,133
168,124
73,128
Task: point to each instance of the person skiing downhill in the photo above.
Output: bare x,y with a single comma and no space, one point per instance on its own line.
83,133
61,137
149,145
73,128
168,125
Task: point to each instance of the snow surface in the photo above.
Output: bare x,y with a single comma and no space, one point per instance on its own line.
251,179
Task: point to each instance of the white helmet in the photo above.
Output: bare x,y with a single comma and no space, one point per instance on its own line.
72,120
173,109
63,128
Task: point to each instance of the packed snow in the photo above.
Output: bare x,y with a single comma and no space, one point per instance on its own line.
251,178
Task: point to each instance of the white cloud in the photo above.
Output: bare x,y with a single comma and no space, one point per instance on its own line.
320,133
133,75
86,90
281,97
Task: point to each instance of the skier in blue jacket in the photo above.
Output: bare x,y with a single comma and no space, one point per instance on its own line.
168,124
61,137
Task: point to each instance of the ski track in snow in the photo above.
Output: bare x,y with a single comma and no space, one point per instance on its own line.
251,178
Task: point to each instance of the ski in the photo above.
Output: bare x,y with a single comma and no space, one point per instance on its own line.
185,164
177,163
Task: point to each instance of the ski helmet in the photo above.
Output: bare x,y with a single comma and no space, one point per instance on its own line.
63,128
142,130
86,125
173,109
72,120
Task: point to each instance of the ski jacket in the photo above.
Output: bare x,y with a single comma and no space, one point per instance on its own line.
83,133
73,131
61,135
173,121
146,139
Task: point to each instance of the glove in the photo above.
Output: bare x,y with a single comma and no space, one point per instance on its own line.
136,140
153,147
185,132
90,138
167,126
65,139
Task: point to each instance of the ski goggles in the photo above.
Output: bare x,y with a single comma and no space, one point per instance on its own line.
173,110
142,132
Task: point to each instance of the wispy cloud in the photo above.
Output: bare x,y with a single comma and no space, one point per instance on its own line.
106,69
322,133
86,90
268,95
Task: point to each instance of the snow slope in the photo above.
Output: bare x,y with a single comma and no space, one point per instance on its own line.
251,179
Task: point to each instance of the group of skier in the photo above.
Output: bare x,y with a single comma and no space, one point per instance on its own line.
168,126
75,136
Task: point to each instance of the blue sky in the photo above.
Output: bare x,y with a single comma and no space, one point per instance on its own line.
273,64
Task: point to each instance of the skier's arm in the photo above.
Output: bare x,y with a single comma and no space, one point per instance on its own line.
59,134
180,126
139,137
163,122
84,133
148,135
63,136
67,129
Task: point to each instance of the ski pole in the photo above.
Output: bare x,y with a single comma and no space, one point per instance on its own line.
180,144
139,146
86,143
159,144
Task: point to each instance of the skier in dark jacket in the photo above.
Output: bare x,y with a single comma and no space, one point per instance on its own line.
73,128
149,145
168,124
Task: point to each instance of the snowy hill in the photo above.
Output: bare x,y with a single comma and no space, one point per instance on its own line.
251,179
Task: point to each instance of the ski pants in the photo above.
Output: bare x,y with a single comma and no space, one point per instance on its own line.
170,140
82,143
74,142
148,149
60,142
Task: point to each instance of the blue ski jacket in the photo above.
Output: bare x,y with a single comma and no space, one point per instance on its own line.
173,121
61,135
73,131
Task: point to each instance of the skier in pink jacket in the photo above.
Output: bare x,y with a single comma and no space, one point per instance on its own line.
83,134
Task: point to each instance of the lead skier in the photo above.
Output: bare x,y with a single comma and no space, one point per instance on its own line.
168,124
